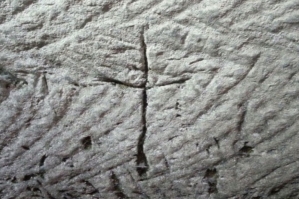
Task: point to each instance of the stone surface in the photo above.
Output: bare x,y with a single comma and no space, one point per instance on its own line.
149,99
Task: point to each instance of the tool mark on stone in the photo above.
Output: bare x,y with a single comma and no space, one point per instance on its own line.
179,81
242,118
43,85
142,165
42,160
116,188
208,149
195,61
217,142
45,82
114,81
25,147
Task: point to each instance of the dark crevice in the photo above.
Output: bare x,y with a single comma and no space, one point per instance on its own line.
45,84
211,176
113,81
28,177
116,188
14,179
42,160
171,138
142,165
208,150
179,81
245,150
25,147
255,59
210,173
177,105
212,188
217,142
86,142
195,61
242,119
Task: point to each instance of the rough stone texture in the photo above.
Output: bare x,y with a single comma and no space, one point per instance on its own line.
149,99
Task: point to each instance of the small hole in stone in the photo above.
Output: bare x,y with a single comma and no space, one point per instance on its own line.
28,177
14,179
42,160
177,105
86,142
25,147
35,189
65,159
210,173
246,149
159,53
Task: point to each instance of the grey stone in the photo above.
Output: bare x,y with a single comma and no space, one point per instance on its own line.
149,99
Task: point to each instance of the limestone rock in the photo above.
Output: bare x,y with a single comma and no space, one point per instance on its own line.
149,99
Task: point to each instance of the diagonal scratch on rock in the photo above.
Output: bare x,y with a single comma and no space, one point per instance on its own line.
243,111
116,186
114,81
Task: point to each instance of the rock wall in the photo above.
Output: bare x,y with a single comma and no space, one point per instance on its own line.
149,99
